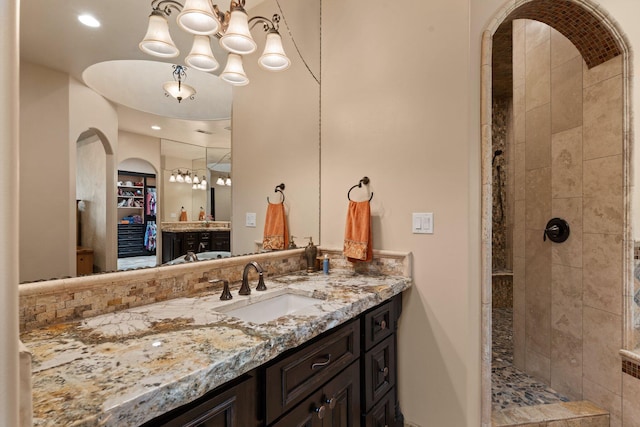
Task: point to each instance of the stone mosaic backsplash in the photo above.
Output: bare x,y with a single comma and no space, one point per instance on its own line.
62,300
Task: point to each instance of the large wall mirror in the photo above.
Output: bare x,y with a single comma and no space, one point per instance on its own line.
72,129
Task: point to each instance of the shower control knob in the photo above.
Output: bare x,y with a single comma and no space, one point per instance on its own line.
557,230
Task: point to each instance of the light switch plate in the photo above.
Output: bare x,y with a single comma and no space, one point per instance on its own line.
422,223
251,219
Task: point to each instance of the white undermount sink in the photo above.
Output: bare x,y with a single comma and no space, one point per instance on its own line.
268,309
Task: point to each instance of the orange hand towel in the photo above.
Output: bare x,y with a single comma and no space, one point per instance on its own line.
358,245
276,235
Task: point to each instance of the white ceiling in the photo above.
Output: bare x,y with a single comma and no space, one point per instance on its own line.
52,36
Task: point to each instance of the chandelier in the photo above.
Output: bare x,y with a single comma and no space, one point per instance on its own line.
177,175
204,20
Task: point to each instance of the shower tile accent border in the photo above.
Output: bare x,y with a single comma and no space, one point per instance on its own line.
553,415
631,368
62,300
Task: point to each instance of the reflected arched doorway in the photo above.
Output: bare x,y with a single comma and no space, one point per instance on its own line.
137,210
93,154
567,50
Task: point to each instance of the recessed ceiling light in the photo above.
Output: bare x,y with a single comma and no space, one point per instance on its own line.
89,21
156,127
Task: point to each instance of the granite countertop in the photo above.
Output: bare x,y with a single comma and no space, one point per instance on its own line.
125,368
186,226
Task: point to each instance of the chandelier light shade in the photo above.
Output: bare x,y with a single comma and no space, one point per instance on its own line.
237,38
157,41
172,178
227,181
201,57
220,181
273,57
234,71
177,88
197,17
203,182
196,180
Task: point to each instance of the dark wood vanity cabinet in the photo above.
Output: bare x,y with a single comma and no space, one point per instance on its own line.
345,377
176,244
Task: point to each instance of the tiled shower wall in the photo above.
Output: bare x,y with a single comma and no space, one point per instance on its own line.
568,163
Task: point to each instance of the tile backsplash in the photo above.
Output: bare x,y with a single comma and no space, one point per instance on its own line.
57,301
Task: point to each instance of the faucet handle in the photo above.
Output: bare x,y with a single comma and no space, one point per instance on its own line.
261,286
226,294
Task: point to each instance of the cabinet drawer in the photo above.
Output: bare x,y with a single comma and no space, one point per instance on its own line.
379,371
383,413
378,324
293,378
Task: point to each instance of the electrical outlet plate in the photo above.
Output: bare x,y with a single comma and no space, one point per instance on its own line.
422,223
251,219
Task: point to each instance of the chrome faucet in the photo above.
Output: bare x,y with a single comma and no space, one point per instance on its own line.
245,289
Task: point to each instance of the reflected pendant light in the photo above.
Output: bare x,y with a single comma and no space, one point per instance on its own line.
197,17
220,181
273,57
177,88
157,41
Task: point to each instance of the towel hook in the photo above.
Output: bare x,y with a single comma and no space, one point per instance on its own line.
364,181
278,189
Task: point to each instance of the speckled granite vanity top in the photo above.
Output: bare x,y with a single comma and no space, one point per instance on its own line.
125,368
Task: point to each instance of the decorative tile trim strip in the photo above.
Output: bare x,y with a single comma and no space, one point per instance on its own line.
631,368
62,300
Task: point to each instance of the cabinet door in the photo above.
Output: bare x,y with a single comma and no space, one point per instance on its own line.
342,395
308,413
382,415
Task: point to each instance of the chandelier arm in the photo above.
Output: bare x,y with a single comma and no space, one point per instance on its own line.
268,23
165,6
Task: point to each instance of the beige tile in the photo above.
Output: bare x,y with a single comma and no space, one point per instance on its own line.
538,199
603,176
538,76
536,33
538,294
602,271
583,408
566,161
602,119
605,399
519,114
562,50
612,67
630,401
566,95
519,172
597,421
538,366
519,226
601,342
538,138
566,300
519,313
566,364
603,214
565,423
518,56
569,252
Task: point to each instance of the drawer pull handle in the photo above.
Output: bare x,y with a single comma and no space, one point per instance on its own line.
322,364
331,402
385,371
320,411
382,324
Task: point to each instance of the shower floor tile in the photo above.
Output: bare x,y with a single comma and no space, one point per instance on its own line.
511,387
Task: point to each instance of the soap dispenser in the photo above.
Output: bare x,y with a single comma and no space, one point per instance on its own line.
310,253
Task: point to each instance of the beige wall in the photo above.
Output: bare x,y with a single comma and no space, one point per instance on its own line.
396,109
275,137
47,198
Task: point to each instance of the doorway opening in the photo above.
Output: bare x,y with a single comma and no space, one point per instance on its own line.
556,144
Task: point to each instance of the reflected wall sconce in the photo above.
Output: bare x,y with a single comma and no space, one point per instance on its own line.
178,88
177,175
204,20
224,181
